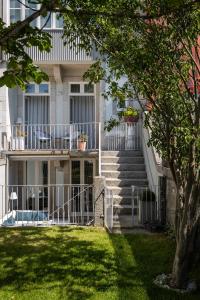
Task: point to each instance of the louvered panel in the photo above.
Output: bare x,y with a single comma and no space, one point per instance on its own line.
59,52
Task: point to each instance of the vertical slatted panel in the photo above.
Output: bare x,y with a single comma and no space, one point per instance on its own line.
59,51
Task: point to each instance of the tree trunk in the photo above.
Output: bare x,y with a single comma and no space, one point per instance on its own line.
183,261
188,224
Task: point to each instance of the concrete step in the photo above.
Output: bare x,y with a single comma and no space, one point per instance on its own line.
122,167
126,182
122,210
123,159
123,221
122,200
124,174
121,206
127,153
121,191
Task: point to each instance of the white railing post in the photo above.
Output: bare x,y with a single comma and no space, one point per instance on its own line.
99,149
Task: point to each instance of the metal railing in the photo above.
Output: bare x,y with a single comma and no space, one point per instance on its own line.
46,205
50,137
146,205
108,209
125,136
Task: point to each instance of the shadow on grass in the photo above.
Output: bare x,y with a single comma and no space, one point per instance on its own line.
140,258
75,263
38,258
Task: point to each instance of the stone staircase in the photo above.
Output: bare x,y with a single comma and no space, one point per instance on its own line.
122,169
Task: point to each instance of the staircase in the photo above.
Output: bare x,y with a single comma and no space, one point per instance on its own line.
122,169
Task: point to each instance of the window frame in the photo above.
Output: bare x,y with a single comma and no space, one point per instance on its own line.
37,93
82,93
23,9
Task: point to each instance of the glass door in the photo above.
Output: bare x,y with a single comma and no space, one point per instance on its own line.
82,172
88,179
37,181
76,189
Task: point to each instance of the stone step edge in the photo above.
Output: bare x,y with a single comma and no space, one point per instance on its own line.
121,206
128,171
122,179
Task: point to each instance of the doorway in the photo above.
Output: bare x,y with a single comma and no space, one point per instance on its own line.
82,173
36,182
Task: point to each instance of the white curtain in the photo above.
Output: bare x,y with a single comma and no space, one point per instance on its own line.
82,109
37,109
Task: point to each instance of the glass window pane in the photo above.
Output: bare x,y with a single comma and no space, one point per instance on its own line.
88,88
30,88
59,21
88,195
75,88
32,5
75,190
15,15
14,4
88,172
46,21
43,88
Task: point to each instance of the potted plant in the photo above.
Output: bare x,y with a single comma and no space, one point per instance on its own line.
82,140
130,114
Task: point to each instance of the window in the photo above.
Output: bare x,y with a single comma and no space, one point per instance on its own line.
88,88
43,88
75,88
81,88
33,88
59,21
29,11
46,21
15,11
30,89
19,10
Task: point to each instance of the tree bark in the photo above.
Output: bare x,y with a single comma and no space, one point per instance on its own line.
187,235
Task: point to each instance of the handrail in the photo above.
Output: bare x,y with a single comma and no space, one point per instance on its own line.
86,187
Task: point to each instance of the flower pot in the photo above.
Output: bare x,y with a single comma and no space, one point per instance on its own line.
81,146
131,119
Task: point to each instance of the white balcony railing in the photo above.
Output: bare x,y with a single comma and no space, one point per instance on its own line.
22,205
50,137
125,136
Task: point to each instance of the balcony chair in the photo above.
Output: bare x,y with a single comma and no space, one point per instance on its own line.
44,139
71,140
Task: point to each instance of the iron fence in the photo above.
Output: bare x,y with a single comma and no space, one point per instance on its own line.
50,204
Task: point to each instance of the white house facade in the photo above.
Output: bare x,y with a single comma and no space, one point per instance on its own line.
57,163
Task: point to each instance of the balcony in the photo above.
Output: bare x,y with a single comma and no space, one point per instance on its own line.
72,137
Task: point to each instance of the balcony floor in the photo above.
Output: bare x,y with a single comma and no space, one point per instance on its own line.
49,154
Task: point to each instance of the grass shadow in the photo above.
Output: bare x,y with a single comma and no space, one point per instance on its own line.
63,259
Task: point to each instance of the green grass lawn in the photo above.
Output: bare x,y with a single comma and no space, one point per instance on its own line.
76,263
